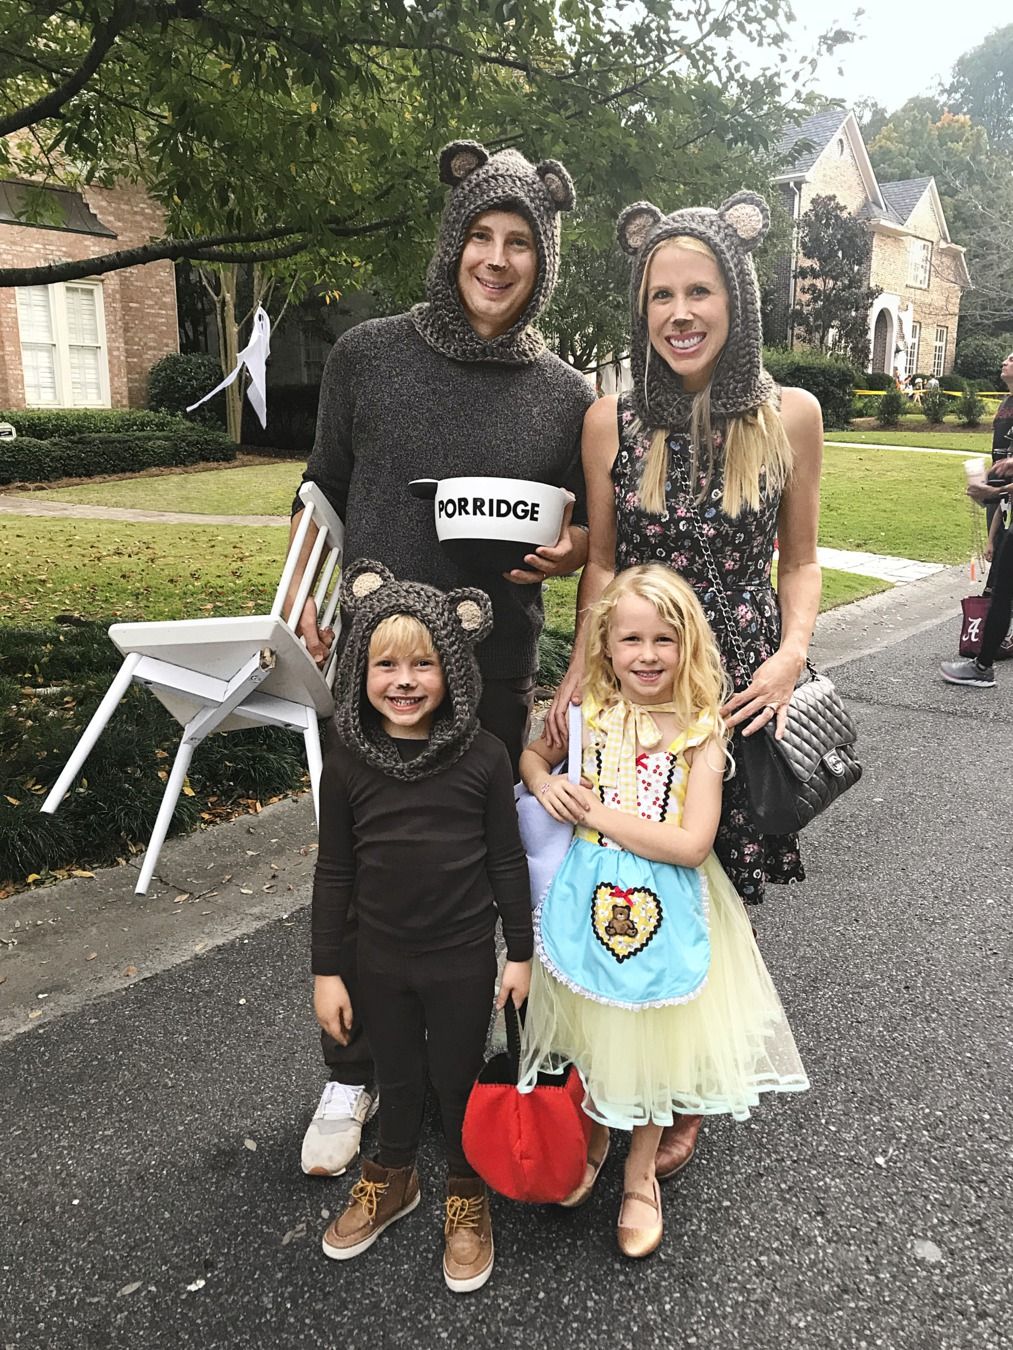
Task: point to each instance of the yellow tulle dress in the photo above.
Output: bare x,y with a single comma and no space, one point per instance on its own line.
648,977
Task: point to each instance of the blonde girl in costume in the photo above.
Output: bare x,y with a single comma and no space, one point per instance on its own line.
648,978
702,464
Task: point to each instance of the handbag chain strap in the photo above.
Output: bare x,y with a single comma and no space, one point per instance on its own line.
717,585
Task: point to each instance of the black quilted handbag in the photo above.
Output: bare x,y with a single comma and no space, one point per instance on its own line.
792,780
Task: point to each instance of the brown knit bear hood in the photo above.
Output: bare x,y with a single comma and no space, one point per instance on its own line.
370,594
505,181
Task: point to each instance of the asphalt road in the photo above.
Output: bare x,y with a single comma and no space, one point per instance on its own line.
151,1189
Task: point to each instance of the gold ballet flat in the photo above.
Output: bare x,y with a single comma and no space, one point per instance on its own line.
579,1196
640,1242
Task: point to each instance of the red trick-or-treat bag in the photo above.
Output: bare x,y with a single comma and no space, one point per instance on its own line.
529,1146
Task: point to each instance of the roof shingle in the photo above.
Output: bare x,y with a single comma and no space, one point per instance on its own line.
820,129
902,197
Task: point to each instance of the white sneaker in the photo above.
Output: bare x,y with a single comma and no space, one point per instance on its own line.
332,1139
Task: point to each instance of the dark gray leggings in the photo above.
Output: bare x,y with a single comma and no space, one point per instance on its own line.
1001,609
425,1010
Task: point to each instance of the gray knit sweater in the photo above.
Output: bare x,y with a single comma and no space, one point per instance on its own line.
393,409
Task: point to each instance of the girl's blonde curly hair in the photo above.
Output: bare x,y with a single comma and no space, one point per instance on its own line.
700,685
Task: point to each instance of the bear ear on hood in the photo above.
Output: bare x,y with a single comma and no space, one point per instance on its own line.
634,225
472,609
749,216
360,579
558,184
459,159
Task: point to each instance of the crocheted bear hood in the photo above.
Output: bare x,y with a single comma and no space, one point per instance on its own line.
370,594
505,181
739,384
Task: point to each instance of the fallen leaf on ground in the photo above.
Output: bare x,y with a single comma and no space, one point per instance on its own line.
927,1251
180,898
251,1144
91,956
197,1284
36,1012
246,890
130,970
80,872
129,1288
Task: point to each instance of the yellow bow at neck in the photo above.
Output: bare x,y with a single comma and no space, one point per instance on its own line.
627,725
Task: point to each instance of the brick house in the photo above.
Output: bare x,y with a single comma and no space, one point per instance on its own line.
920,271
88,343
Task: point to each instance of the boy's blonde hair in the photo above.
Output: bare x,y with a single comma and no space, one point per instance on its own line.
401,635
755,447
700,684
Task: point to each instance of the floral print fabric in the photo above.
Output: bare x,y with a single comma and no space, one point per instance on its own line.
743,549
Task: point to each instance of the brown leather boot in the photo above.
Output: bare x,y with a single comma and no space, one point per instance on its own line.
467,1233
381,1195
676,1146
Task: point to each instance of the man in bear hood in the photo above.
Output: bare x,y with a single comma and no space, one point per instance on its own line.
460,386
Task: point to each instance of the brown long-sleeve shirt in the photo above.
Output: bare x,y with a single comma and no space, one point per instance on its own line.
426,864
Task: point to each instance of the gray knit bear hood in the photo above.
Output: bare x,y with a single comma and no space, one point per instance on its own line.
739,384
370,594
483,182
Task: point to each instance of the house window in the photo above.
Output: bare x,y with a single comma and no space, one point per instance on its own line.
919,263
911,365
38,348
63,351
939,352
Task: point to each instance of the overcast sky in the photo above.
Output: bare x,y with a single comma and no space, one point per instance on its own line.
904,47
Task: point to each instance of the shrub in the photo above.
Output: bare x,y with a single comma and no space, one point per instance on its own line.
980,356
50,683
176,381
955,383
935,405
554,648
29,460
45,423
829,378
970,409
865,405
878,379
891,407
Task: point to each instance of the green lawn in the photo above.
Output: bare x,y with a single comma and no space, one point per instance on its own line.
882,501
101,569
263,490
839,588
911,506
965,439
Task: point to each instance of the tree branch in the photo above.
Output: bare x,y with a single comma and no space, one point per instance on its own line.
213,249
51,103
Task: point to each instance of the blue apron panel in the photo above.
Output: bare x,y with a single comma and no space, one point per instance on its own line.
619,929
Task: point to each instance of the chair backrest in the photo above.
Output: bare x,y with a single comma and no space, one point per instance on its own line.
322,569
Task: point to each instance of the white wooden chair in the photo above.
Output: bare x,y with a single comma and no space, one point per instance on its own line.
224,674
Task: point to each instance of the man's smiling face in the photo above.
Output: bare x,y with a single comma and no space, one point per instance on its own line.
497,271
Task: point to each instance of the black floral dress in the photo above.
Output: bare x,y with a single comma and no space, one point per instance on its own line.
744,550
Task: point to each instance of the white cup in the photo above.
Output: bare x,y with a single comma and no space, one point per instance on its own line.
975,470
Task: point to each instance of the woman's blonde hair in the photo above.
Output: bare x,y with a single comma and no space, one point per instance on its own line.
700,683
401,635
757,455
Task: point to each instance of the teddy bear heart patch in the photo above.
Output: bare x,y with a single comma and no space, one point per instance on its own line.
624,920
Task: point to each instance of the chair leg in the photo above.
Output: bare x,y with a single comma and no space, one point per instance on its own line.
169,799
91,733
314,759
